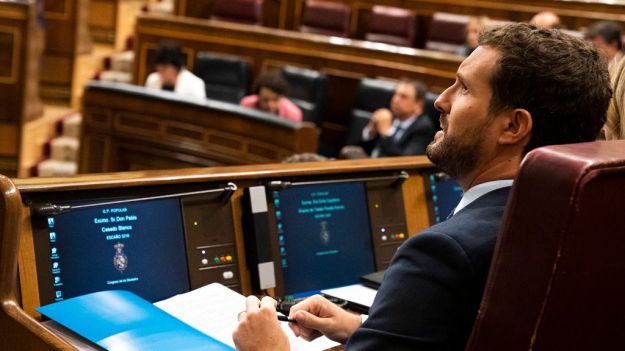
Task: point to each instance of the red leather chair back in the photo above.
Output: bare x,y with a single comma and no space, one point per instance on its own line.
392,25
557,280
447,32
325,17
241,11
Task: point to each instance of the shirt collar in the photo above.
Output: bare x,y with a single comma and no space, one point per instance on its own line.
479,190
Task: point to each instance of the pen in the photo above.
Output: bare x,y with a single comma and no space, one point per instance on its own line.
286,319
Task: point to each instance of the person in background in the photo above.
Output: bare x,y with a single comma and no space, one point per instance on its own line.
614,127
402,130
475,25
546,19
606,37
516,92
171,74
269,96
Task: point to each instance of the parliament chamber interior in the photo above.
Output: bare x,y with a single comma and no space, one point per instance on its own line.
110,185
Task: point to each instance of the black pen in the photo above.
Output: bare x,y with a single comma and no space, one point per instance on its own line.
286,319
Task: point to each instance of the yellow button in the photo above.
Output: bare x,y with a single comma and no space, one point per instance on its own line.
228,258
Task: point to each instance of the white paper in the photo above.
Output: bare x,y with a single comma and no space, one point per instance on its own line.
213,310
356,293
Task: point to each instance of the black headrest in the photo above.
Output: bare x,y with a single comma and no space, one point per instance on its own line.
308,90
373,94
430,110
221,69
226,77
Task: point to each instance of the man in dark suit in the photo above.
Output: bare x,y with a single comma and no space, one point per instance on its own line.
403,129
514,93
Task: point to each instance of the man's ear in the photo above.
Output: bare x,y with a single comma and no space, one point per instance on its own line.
516,127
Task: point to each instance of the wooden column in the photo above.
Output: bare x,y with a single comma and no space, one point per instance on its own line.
66,37
113,21
21,42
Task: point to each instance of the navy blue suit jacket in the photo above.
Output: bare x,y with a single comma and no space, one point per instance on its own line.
414,141
431,292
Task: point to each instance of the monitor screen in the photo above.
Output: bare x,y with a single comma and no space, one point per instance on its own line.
445,195
324,236
136,246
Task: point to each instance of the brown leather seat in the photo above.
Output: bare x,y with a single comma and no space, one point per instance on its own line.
241,11
392,25
325,17
447,32
557,280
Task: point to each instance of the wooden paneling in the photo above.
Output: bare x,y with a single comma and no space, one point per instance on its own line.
344,61
66,37
128,128
20,49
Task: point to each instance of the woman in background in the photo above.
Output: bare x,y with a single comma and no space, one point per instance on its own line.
269,91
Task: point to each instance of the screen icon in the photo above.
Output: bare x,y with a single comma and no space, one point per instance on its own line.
52,237
58,294
50,222
57,280
54,253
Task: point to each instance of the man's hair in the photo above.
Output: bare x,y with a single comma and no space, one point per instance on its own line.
419,87
562,81
169,54
272,80
608,30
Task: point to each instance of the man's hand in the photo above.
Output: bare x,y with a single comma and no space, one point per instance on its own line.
259,328
382,120
317,316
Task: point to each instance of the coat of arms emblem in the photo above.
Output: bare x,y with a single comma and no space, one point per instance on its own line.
120,260
325,233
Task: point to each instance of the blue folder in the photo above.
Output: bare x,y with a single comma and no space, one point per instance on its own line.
120,320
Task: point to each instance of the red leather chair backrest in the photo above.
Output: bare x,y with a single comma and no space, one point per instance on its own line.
241,11
447,32
325,17
392,25
557,279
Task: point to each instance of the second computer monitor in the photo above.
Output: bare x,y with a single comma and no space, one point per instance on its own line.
324,236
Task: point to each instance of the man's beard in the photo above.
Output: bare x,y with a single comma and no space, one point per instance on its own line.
457,156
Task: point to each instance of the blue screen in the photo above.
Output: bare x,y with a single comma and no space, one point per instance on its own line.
324,236
446,194
135,246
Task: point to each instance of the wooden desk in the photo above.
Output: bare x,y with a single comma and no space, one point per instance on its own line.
19,320
127,127
344,61
21,44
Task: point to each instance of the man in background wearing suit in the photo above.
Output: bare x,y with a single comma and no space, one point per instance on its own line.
403,129
522,88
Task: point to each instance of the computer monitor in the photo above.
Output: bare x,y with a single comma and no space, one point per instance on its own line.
324,236
156,246
444,194
127,246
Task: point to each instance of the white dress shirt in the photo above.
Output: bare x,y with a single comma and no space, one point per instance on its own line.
479,190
